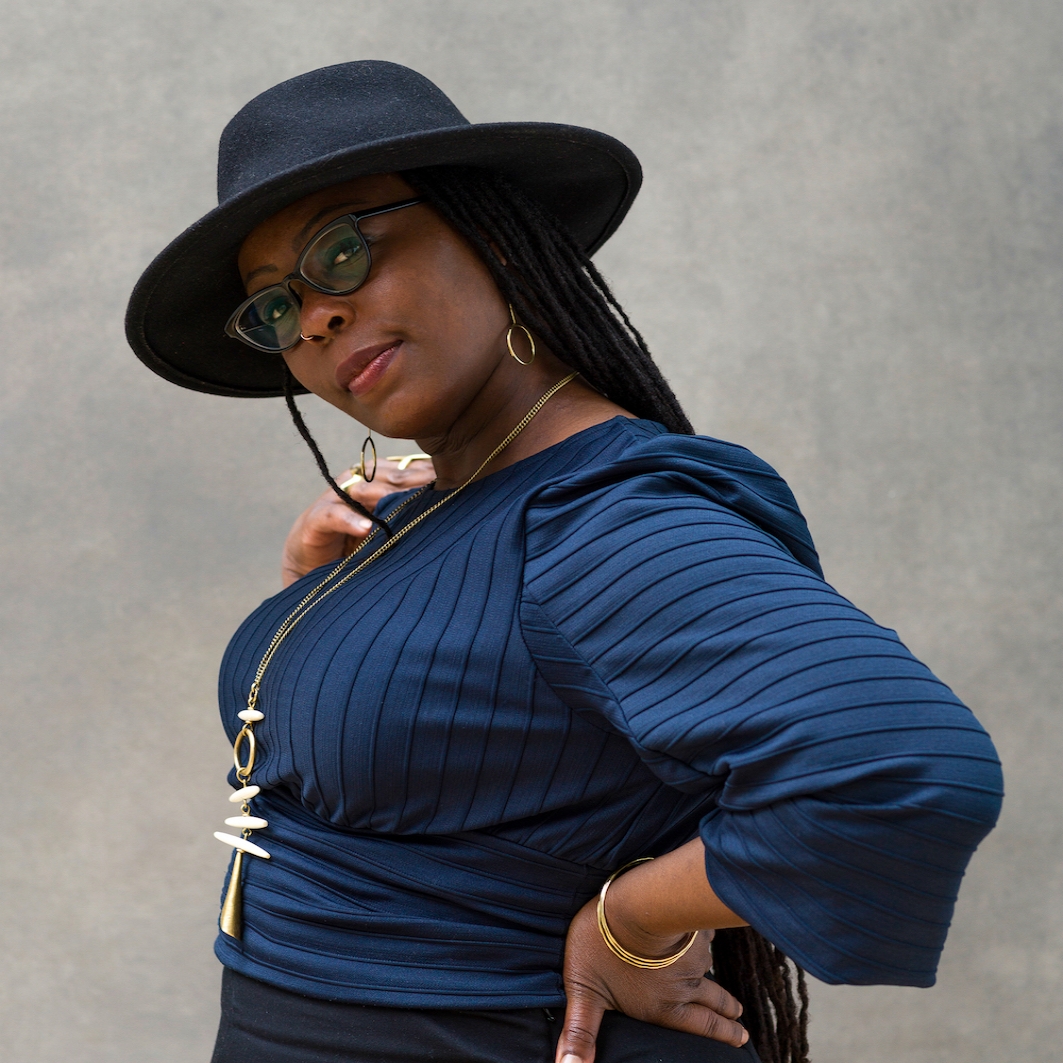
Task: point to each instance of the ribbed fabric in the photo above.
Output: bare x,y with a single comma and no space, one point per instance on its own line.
586,657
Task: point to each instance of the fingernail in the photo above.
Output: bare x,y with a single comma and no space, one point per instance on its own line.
569,1057
362,525
745,1037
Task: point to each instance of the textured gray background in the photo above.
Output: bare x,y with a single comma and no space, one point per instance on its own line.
848,256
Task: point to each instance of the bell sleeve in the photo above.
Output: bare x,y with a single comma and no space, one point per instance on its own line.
846,785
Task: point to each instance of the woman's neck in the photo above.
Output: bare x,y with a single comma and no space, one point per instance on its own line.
490,418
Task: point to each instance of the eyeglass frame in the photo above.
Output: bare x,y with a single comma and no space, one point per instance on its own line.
297,274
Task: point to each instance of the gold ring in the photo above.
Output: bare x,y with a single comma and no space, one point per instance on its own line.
403,460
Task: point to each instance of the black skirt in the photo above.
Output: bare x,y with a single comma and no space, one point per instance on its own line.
262,1024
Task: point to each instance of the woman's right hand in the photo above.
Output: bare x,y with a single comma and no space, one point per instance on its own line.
329,530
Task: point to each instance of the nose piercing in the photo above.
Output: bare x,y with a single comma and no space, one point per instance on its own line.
307,338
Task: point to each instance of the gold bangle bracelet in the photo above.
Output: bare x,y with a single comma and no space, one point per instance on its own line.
616,948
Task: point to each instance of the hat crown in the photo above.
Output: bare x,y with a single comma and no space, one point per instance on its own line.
326,111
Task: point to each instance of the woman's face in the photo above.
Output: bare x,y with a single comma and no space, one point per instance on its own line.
408,351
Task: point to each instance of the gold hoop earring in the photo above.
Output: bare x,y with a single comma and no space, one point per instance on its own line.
367,442
509,339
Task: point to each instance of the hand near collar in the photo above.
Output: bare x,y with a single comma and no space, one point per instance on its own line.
328,530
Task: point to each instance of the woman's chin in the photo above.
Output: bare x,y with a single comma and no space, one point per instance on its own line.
384,419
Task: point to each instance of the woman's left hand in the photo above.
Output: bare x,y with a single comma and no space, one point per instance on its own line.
679,997
328,530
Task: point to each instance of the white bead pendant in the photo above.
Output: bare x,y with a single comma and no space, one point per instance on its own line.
238,797
242,844
250,822
251,715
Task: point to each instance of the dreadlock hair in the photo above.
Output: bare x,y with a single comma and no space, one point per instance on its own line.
554,287
559,294
752,969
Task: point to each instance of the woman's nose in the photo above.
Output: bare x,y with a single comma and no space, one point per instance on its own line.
323,316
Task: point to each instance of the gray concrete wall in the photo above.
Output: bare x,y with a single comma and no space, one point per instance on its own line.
848,256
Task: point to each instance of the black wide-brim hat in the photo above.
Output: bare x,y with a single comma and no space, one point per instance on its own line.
323,128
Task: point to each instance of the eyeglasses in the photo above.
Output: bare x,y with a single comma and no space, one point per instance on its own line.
335,262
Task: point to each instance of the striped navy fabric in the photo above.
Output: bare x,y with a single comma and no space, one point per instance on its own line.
589,656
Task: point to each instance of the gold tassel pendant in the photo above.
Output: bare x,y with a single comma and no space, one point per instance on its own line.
232,909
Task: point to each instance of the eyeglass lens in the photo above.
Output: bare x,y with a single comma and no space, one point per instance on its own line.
336,260
271,319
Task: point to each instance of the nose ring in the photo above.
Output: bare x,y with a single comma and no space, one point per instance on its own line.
308,339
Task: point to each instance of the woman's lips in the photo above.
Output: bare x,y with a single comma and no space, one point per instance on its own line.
358,373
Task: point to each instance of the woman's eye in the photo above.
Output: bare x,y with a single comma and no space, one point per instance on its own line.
337,261
342,253
275,310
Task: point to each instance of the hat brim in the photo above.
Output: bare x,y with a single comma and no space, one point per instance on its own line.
177,313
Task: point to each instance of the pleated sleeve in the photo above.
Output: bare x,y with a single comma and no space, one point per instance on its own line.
675,595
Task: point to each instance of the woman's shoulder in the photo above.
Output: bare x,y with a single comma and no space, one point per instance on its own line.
645,477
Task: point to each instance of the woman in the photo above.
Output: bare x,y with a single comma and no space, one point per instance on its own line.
589,639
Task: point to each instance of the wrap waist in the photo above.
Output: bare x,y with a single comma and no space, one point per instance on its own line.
463,920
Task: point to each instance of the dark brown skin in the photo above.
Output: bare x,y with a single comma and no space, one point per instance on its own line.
452,386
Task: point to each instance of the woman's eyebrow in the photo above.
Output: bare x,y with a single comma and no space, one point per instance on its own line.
304,232
256,271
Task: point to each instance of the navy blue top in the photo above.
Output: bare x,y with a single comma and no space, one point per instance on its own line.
589,656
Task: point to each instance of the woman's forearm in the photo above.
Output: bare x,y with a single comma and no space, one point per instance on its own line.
651,907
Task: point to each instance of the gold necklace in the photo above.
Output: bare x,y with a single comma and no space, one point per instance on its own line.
232,907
